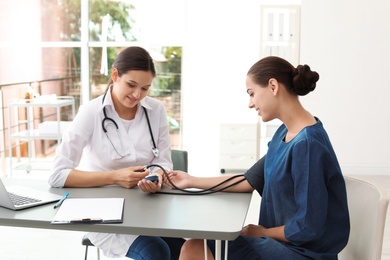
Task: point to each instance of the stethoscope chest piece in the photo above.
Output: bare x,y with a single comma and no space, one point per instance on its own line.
155,151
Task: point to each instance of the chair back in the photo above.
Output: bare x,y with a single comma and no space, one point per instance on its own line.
180,160
367,206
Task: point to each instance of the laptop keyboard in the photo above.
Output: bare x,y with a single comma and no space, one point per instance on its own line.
19,200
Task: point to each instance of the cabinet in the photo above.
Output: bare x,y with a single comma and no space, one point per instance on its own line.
239,146
47,130
268,130
280,32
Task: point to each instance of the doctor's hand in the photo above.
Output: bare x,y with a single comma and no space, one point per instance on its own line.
130,176
179,178
149,186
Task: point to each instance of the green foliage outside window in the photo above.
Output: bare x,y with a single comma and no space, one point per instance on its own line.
120,27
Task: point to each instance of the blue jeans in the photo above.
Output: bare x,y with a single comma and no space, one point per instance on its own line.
251,248
152,248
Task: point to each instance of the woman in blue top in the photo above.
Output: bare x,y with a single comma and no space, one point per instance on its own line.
304,211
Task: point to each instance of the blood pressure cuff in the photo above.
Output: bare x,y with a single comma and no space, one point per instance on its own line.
255,175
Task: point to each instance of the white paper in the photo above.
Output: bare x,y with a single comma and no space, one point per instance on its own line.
108,210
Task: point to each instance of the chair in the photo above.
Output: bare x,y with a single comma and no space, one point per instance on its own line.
86,242
367,205
179,161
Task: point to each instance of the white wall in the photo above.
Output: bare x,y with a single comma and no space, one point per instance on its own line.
348,43
222,42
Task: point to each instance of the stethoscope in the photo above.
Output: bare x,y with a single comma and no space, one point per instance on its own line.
123,154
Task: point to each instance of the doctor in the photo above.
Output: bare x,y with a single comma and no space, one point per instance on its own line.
111,139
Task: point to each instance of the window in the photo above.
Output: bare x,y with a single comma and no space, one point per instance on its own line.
49,50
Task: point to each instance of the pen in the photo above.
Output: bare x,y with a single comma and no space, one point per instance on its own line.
61,200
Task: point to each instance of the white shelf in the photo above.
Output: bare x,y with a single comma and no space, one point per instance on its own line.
34,134
61,101
239,146
49,130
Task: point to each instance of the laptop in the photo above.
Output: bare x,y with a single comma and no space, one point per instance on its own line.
20,197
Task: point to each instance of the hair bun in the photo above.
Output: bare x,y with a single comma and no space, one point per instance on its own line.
295,72
304,80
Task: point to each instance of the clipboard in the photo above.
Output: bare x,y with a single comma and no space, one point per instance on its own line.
90,211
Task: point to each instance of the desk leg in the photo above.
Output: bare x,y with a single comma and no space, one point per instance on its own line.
205,248
217,249
226,249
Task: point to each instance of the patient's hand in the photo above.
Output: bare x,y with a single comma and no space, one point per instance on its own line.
179,178
253,231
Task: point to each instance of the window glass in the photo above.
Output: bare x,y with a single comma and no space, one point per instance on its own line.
41,47
60,20
166,86
111,21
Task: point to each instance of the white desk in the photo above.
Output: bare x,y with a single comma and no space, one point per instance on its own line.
218,216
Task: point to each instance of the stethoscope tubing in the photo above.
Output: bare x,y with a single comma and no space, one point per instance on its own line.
106,118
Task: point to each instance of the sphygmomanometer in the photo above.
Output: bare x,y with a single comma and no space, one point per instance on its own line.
213,189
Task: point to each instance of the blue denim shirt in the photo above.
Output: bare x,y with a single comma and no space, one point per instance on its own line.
304,190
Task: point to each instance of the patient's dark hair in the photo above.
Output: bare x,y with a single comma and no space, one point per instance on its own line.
133,58
300,80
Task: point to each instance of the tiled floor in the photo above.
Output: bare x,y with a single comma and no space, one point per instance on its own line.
37,244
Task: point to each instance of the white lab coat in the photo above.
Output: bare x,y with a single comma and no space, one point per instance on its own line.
86,147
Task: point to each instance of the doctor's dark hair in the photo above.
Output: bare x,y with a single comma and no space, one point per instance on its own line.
300,80
133,58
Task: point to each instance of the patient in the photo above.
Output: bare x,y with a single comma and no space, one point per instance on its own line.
303,211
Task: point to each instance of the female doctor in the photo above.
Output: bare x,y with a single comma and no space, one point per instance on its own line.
111,138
